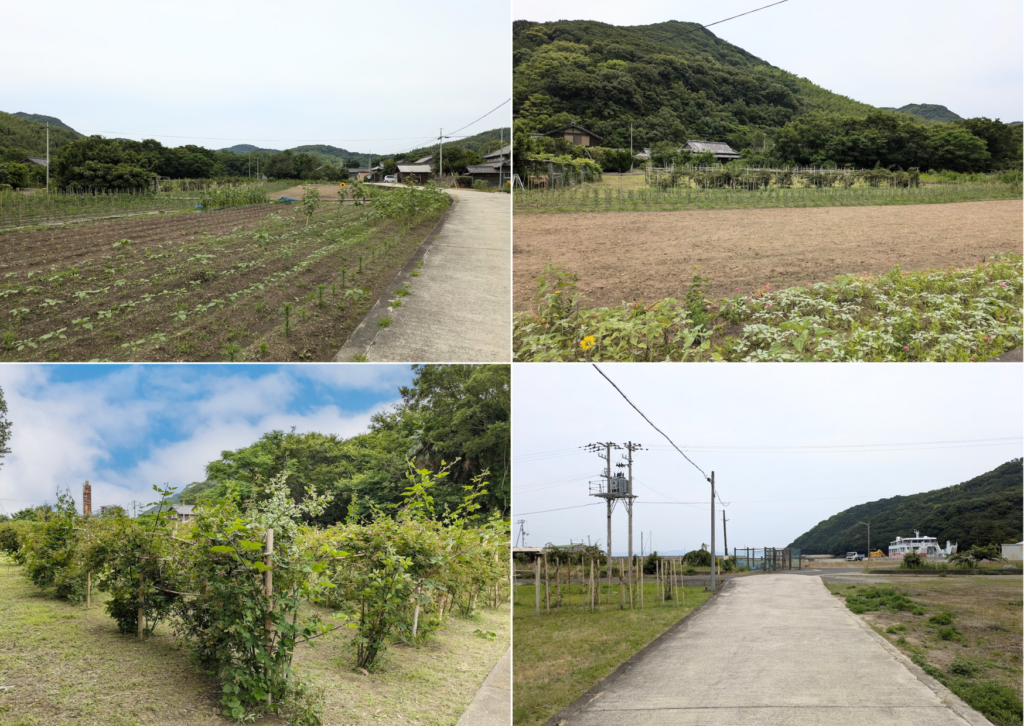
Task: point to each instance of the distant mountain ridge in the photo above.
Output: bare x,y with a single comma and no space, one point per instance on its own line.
927,111
52,120
984,510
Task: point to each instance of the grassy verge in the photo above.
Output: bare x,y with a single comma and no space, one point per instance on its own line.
630,197
939,315
562,653
964,633
69,665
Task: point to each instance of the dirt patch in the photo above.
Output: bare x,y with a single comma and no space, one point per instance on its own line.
652,255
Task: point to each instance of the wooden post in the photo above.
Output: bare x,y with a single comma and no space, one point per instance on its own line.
547,585
141,615
591,584
558,582
268,587
416,609
641,583
682,592
536,584
622,589
88,590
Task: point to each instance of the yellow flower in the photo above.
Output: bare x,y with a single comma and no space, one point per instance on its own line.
342,185
587,343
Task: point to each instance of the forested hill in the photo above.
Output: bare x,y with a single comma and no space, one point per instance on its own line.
982,511
24,135
927,111
668,82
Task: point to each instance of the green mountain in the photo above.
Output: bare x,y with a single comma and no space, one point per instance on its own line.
53,121
671,81
24,135
984,510
246,148
927,111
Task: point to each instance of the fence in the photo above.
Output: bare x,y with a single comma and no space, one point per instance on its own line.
768,559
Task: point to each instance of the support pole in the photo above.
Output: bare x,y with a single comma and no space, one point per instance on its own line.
712,531
536,584
591,584
547,585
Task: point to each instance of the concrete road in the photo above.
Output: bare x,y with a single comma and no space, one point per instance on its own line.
492,704
772,650
460,308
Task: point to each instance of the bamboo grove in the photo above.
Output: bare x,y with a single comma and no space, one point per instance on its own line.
245,583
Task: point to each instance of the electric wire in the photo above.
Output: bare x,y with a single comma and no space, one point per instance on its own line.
719,22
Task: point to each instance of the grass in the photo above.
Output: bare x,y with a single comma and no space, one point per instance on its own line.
965,632
69,665
562,653
17,208
938,315
632,196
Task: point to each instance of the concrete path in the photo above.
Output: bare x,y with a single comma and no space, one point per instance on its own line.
772,649
460,308
492,704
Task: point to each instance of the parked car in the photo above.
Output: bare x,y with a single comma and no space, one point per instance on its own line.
391,179
854,557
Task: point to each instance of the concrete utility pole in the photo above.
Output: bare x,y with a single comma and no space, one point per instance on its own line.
869,538
522,532
712,531
501,159
725,536
47,157
630,448
440,151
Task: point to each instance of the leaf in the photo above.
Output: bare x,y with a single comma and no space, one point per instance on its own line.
222,548
251,546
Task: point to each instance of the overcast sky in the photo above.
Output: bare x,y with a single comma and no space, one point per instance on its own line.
126,428
774,495
371,76
967,57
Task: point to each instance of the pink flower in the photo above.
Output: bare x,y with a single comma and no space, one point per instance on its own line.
768,304
738,289
906,347
987,338
1001,319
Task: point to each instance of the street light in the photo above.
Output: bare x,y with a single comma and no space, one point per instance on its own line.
869,539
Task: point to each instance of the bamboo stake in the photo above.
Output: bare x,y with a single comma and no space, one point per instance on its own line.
547,585
268,587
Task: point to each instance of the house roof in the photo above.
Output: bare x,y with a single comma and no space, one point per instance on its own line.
37,160
491,167
425,160
718,148
575,127
184,508
414,168
645,154
503,151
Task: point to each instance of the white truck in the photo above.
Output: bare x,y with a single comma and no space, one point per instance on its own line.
854,557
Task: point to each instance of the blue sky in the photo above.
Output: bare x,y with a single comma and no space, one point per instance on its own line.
369,77
774,494
126,428
885,53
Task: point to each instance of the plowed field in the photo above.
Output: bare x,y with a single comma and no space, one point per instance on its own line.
199,286
623,256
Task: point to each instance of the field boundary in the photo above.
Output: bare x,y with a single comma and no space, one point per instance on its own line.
948,698
625,667
362,337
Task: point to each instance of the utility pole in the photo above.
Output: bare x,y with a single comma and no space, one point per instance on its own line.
522,532
725,536
869,539
630,448
605,492
440,152
631,147
501,161
712,531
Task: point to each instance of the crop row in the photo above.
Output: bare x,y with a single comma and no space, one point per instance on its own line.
592,198
939,315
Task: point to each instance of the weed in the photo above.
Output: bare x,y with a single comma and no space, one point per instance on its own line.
893,629
403,291
414,273
384,322
941,619
950,633
232,352
286,311
319,296
361,358
485,634
264,347
964,668
360,264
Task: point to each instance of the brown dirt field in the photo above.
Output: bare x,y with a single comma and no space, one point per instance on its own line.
651,255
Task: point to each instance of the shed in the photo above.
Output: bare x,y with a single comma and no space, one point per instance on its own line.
35,161
493,172
181,513
360,174
575,135
1014,551
419,172
722,151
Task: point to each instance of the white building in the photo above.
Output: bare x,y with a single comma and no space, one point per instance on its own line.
1014,552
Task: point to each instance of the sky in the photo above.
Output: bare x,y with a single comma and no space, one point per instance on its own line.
377,77
773,494
965,57
125,428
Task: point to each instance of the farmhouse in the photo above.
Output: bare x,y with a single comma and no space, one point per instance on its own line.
34,161
494,172
575,135
181,513
419,173
501,154
722,151
1013,551
428,160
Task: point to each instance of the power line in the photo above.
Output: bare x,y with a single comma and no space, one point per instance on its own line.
649,421
719,22
481,118
542,511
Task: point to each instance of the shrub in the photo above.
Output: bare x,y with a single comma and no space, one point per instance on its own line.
50,551
941,619
481,185
464,181
911,561
964,668
950,633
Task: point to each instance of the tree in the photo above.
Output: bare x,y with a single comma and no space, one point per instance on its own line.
972,556
5,428
389,167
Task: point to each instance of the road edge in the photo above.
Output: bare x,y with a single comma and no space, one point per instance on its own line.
362,338
626,666
946,696
490,699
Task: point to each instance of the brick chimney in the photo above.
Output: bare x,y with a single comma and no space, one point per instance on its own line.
86,499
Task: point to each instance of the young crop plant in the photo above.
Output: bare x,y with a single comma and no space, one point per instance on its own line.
286,311
310,202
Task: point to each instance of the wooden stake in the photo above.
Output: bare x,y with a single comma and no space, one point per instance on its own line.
268,587
88,590
622,589
536,584
591,584
547,585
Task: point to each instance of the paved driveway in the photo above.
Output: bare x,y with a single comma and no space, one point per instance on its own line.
776,649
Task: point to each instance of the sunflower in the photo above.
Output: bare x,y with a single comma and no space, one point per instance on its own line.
341,185
587,343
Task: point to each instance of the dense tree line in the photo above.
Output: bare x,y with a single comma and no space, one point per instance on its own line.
661,86
983,511
458,415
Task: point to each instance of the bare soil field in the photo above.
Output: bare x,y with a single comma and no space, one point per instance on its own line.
623,256
199,286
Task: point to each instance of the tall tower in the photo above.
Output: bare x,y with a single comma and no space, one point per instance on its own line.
86,499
